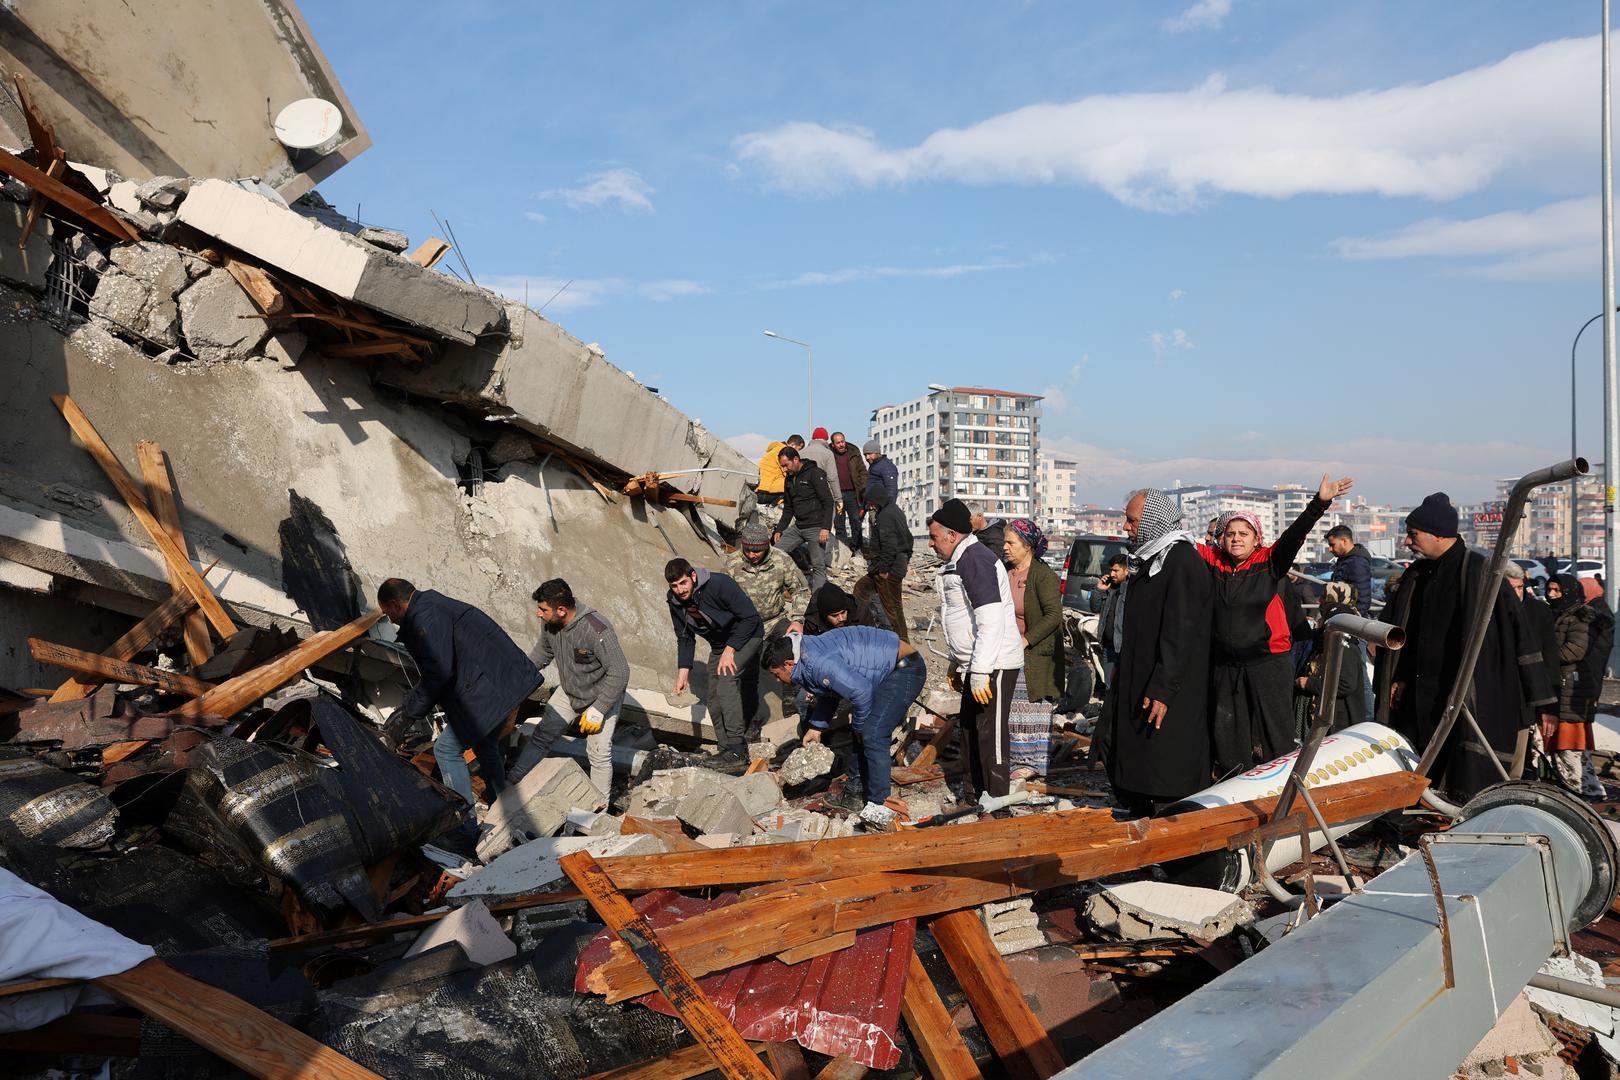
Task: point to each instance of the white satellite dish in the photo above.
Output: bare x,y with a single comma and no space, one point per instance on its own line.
310,124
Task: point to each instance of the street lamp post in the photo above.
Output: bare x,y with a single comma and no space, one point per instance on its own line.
1574,522
809,379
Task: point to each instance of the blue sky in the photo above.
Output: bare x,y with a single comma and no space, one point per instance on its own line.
1232,240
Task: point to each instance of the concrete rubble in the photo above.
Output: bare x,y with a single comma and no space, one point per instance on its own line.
808,762
535,867
1149,910
1013,925
474,930
537,805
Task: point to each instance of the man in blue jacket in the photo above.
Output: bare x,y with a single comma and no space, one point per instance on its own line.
472,670
880,676
714,607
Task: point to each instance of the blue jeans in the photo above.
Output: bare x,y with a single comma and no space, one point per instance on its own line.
447,751
869,762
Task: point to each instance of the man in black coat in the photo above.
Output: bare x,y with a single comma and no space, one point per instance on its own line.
715,608
889,544
472,670
1435,606
1157,709
808,504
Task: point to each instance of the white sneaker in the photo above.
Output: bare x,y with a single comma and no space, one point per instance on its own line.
877,817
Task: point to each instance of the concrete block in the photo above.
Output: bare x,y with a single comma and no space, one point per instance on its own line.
27,266
1018,941
219,321
1517,1033
285,347
1140,910
758,792
1587,1014
806,763
534,867
710,807
122,198
792,824
718,840
474,929
137,293
590,823
387,239
537,805
340,264
162,192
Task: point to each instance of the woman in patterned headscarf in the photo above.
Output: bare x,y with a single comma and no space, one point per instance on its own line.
1038,607
1252,671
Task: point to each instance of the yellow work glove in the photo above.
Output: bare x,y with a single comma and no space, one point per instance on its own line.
592,721
981,688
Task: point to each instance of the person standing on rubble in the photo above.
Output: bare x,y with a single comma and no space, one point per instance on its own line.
769,490
850,468
470,668
880,676
982,640
1252,674
880,471
593,675
888,552
1155,714
816,450
778,589
807,513
713,607
1434,605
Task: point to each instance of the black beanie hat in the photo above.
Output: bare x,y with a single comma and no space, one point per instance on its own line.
954,516
830,598
1435,515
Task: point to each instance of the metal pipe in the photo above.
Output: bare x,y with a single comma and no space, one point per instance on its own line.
1485,599
1611,374
1573,989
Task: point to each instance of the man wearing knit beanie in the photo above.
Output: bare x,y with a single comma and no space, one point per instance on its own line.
982,639
880,471
1435,604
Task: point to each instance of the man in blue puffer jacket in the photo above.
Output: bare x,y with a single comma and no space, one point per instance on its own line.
879,675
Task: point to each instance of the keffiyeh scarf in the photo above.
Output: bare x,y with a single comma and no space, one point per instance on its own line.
1160,528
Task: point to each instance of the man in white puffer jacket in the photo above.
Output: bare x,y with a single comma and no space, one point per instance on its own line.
981,636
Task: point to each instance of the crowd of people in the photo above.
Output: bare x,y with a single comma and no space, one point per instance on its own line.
1211,665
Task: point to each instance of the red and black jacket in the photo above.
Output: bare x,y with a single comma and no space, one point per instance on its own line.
1251,622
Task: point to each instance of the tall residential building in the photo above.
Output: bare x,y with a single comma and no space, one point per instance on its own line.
1276,507
964,442
1547,524
1055,495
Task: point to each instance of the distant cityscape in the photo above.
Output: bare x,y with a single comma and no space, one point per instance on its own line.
982,445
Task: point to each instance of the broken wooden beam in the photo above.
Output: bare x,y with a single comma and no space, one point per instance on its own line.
231,697
225,1025
1022,1044
683,1064
667,829
932,1031
842,1067
390,346
787,1061
64,196
429,252
106,669
706,1023
172,552
264,293
986,861
160,490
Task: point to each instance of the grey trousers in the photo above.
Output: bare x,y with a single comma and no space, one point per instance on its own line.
733,698
792,537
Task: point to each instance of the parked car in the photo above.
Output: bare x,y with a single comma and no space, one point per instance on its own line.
1088,557
1383,568
1584,568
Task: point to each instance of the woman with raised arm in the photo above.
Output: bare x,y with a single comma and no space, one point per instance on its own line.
1251,673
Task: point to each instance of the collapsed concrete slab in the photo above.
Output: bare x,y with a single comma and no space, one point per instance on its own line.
473,928
536,867
23,266
219,321
1144,910
137,296
342,265
538,805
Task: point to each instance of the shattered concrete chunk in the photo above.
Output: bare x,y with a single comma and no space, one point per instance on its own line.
590,823
512,446
137,294
122,197
535,866
285,347
387,239
163,192
793,824
219,321
340,264
473,928
84,251
806,763
537,805
1141,910
758,792
710,807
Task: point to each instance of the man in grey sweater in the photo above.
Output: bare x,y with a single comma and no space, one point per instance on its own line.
593,675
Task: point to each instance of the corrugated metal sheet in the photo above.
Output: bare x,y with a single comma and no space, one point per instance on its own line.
847,1002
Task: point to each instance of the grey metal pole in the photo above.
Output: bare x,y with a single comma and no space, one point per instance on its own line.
1611,377
1574,484
810,388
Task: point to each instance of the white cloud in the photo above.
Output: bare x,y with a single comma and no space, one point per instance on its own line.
535,216
618,186
872,273
590,292
1559,240
1203,15
1164,341
1172,150
1177,294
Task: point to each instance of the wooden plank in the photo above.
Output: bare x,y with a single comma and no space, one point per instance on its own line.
982,841
429,252
107,669
391,346
125,484
138,637
787,1061
165,507
412,923
264,293
36,205
111,755
1023,1045
668,830
347,323
683,1064
230,697
930,753
758,765
65,197
711,1029
842,1067
830,944
763,925
13,989
253,1041
932,1032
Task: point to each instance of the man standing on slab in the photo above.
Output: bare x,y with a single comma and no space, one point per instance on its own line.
711,606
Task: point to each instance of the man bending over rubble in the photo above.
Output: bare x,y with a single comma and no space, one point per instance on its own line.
711,606
471,669
593,674
880,676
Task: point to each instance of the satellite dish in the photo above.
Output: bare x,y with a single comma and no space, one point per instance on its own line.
310,124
